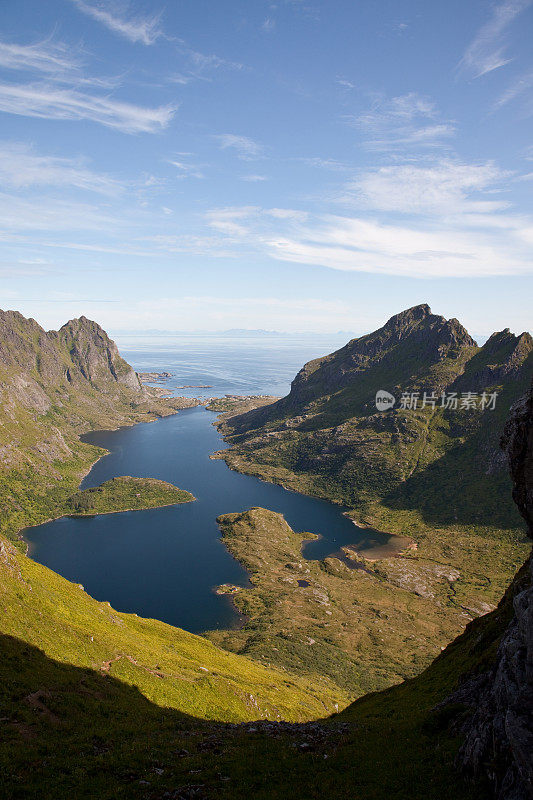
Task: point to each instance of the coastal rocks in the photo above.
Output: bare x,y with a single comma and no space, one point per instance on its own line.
155,376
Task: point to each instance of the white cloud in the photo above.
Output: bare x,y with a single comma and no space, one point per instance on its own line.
441,188
50,214
398,123
186,170
287,213
246,148
345,84
362,245
52,58
50,102
487,51
254,178
117,18
520,87
21,167
228,220
204,62
469,245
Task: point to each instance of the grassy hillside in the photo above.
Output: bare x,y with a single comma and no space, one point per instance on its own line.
71,731
435,474
365,626
169,666
102,705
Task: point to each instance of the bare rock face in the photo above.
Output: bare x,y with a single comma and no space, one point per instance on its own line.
35,363
498,743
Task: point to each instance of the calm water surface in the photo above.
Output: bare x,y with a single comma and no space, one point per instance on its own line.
164,563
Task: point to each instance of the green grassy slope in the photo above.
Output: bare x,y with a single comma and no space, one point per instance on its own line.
354,625
73,732
169,666
55,385
434,474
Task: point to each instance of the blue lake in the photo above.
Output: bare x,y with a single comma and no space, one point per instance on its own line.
165,563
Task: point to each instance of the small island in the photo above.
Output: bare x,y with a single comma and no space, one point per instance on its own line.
233,404
154,376
125,494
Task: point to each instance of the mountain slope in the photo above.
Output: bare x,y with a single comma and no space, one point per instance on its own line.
55,385
327,430
435,474
73,723
327,437
169,666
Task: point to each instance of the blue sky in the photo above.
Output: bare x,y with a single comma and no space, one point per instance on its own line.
290,165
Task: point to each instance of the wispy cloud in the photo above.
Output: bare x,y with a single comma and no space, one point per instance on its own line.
487,51
519,89
46,56
402,122
246,148
185,169
22,167
51,102
363,245
49,214
469,246
118,18
326,163
445,187
202,63
232,221
254,178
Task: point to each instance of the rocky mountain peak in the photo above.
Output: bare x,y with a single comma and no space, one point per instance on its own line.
409,317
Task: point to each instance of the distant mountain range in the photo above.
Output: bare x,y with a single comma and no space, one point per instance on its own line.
231,332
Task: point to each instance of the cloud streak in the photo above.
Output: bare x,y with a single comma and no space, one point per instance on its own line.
52,58
470,246
247,149
445,187
21,167
402,122
46,101
142,30
487,51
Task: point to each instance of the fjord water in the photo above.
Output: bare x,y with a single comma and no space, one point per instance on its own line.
165,563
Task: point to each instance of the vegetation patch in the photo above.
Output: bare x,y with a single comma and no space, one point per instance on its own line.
125,494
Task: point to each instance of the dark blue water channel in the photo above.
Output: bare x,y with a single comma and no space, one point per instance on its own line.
165,563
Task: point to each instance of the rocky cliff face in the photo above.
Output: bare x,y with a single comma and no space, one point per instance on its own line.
498,738
80,353
55,385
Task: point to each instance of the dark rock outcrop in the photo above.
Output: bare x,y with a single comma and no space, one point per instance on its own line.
498,736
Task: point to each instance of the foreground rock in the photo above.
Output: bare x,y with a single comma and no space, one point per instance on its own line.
498,741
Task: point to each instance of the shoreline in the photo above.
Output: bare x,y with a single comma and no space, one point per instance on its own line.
410,544
20,532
